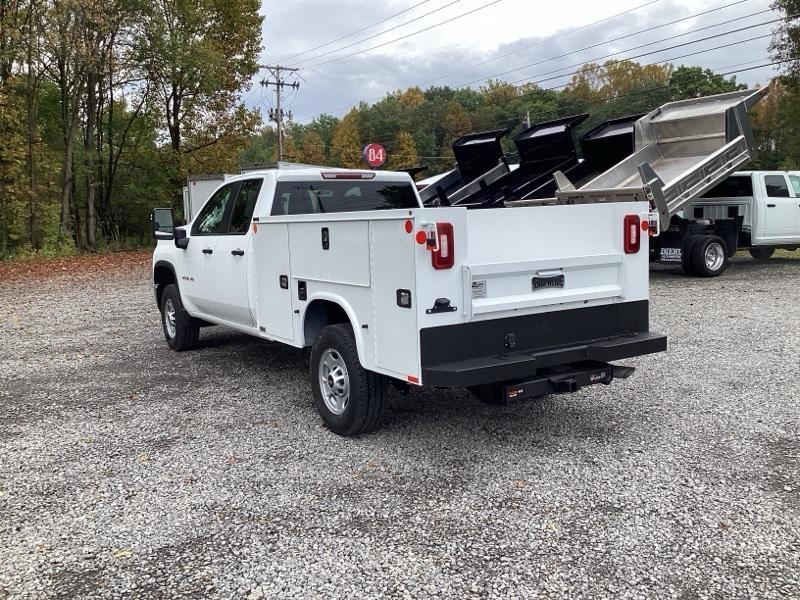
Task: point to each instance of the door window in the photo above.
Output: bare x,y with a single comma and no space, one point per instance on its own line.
211,220
795,180
245,205
776,186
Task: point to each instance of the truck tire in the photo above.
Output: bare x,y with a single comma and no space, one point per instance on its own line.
687,255
761,254
710,256
347,396
180,330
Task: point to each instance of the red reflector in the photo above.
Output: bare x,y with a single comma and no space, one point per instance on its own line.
645,225
632,237
444,256
347,175
412,379
409,226
421,237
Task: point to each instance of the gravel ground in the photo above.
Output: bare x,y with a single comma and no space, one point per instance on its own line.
127,470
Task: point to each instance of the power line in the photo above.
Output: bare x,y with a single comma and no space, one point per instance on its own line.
389,18
628,58
673,22
413,33
380,33
672,37
550,38
617,53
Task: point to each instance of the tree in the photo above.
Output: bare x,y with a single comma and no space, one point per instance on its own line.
616,78
412,97
456,123
68,71
290,151
346,142
696,82
12,161
313,149
197,57
404,153
785,44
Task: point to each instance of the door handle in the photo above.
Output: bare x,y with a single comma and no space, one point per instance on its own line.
208,251
770,206
237,252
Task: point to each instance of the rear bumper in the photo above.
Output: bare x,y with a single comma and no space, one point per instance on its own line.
515,348
491,369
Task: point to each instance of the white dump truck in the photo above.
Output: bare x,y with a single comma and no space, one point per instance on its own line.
511,303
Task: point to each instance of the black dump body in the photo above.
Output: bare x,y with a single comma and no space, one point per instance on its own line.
543,149
476,154
602,148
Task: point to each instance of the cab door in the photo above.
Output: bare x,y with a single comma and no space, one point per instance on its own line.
780,211
233,258
198,283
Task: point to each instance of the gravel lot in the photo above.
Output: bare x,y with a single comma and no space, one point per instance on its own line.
127,470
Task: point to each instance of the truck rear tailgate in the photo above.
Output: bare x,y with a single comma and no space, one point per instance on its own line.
551,257
540,286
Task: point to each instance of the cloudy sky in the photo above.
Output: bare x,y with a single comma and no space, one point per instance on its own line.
513,40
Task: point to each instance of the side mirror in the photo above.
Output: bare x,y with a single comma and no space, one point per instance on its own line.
162,223
181,241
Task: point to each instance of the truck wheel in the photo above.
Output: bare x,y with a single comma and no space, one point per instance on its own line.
687,255
348,397
762,253
179,327
710,256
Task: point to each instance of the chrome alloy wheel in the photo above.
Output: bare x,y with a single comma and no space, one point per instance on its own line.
714,256
334,381
169,318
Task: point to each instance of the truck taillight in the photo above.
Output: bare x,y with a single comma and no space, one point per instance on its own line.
443,256
632,234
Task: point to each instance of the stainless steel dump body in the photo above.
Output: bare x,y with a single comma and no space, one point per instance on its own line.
681,150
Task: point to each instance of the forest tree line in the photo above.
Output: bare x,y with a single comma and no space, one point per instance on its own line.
106,106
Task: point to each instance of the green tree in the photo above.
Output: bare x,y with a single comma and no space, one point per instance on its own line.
346,142
197,56
785,44
696,82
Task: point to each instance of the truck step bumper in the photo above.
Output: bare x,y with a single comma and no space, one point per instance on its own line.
557,380
531,365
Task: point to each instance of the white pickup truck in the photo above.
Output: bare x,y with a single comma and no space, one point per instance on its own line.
754,210
510,303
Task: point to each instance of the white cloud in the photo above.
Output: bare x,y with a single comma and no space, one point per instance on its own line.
298,25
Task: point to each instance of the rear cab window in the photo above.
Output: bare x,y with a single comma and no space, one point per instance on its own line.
319,197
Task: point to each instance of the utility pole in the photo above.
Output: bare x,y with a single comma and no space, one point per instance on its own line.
278,115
